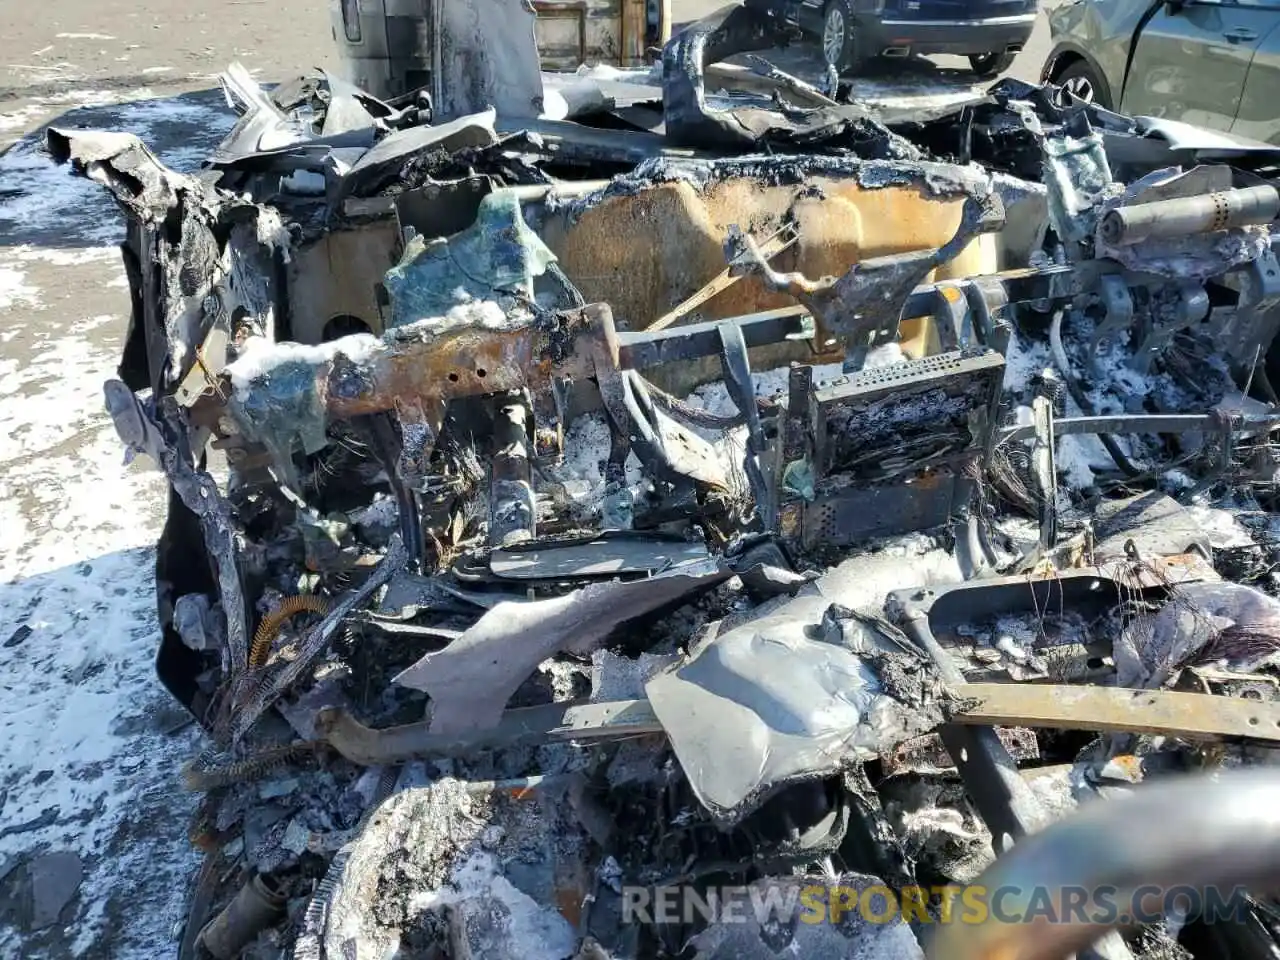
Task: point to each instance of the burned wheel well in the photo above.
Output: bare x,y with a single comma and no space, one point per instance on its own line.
1062,60
1059,64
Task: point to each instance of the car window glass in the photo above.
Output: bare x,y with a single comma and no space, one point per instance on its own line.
1251,4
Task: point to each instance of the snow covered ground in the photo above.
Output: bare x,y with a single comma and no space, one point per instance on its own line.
94,856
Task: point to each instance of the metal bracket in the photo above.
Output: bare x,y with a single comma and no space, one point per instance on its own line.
1042,464
737,380
1118,303
1192,307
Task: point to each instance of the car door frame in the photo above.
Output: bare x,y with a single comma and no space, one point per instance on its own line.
1173,7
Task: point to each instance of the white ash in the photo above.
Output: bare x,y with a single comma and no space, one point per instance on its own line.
614,677
1222,527
1076,457
381,511
564,676
1055,792
581,472
769,384
1023,361
938,826
524,928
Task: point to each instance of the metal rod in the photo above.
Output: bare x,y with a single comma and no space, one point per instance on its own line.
1145,423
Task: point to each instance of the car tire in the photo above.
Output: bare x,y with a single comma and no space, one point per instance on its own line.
988,65
1080,80
841,43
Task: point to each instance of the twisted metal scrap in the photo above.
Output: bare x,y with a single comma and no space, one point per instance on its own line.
253,698
865,304
162,437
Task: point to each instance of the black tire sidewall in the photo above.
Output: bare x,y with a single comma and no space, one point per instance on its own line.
998,64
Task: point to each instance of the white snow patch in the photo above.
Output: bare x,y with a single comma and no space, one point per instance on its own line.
23,117
43,200
39,196
14,287
157,69
61,72
98,98
543,934
142,108
89,324
84,36
261,357
87,765
76,569
64,257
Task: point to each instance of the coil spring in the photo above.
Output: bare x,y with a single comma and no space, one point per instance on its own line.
1054,389
270,626
206,774
1020,459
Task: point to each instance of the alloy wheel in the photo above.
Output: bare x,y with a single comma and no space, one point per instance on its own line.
833,36
1079,87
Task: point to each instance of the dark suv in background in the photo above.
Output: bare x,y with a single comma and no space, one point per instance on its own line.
853,32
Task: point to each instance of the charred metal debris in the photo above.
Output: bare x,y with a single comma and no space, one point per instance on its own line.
719,485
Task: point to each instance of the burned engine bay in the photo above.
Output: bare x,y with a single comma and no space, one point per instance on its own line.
801,493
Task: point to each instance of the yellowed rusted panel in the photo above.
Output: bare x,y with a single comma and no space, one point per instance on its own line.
336,275
644,253
574,32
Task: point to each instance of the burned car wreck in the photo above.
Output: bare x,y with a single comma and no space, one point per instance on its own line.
723,486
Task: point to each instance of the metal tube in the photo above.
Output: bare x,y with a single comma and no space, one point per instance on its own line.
512,506
1145,423
258,905
1194,834
1179,217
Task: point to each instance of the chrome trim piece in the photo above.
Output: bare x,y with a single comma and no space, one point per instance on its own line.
1010,21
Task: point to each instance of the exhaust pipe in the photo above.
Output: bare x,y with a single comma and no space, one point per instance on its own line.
258,905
